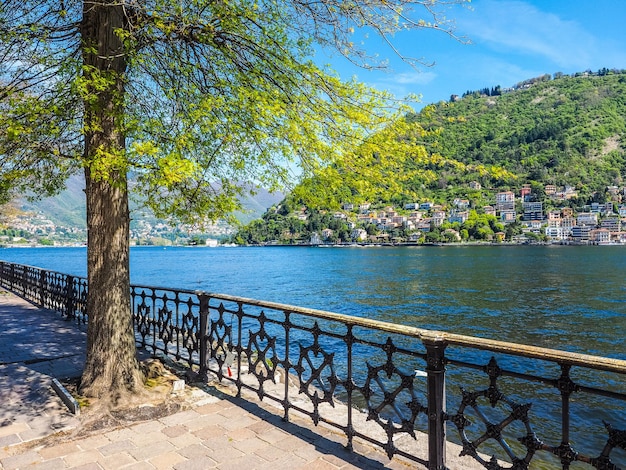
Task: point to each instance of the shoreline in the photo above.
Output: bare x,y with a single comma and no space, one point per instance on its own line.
334,245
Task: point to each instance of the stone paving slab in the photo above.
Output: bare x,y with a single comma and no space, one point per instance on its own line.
31,335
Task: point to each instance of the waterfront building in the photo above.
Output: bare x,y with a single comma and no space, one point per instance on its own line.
508,216
415,237
600,236
581,233
505,201
424,225
554,216
612,224
439,218
489,210
505,196
458,216
594,207
533,210
359,234
566,224
461,204
587,218
556,233
533,225
315,239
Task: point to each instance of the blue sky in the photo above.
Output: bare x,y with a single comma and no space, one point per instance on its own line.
510,41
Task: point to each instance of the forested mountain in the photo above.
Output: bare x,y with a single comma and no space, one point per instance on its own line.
562,131
558,131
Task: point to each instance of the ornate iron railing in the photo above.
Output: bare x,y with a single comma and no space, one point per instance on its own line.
405,389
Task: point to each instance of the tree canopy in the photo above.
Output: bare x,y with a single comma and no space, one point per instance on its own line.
212,94
178,102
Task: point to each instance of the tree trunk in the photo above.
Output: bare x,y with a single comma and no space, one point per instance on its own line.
111,367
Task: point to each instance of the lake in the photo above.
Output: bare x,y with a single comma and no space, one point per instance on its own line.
563,297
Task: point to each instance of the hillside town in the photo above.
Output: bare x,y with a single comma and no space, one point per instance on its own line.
35,229
596,223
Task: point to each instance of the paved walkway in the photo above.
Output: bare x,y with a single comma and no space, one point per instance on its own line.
34,345
217,431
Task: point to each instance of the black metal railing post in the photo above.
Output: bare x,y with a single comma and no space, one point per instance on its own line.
12,277
436,385
350,432
286,403
203,342
43,287
69,296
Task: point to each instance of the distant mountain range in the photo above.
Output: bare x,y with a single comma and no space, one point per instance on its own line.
68,207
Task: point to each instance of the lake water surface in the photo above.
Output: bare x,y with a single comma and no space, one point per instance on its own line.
562,297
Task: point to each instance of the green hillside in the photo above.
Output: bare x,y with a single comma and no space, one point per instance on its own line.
564,131
66,209
561,131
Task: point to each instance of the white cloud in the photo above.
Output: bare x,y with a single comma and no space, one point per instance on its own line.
519,27
404,83
412,78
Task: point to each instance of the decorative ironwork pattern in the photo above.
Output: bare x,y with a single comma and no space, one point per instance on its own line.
384,384
220,342
495,430
329,360
167,322
315,366
262,358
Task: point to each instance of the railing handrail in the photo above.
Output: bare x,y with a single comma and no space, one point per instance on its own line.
534,352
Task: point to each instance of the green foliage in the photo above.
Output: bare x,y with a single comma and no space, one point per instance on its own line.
191,98
566,131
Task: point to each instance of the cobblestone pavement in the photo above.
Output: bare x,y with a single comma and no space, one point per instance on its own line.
216,430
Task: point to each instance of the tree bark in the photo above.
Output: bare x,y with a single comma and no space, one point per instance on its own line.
111,366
